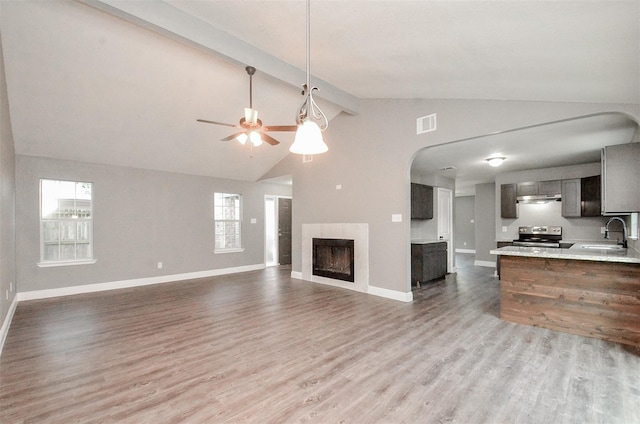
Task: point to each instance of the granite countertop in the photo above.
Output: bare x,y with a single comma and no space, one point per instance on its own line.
427,241
575,252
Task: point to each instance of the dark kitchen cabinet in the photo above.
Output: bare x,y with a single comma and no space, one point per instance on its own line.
508,194
581,197
620,179
571,190
590,196
527,189
421,201
501,244
537,188
428,261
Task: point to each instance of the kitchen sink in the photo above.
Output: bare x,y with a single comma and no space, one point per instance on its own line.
602,246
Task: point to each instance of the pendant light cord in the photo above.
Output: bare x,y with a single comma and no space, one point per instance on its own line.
309,108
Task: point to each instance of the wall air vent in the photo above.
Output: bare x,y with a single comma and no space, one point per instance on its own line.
426,124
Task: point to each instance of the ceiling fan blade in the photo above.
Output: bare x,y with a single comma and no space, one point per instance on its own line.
232,136
269,139
280,128
218,123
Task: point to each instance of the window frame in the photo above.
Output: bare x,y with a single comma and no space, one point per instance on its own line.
87,219
237,221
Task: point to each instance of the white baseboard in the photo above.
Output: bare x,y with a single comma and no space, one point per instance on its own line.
390,294
4,331
376,291
466,251
91,288
490,264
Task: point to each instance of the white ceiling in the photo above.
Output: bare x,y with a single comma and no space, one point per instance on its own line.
570,142
125,86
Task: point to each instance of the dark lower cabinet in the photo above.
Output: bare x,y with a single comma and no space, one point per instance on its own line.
428,261
501,244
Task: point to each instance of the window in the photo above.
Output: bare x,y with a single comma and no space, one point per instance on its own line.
66,223
227,209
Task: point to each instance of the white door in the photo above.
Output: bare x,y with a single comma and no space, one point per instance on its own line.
445,223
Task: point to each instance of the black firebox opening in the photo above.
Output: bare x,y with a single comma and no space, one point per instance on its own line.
334,258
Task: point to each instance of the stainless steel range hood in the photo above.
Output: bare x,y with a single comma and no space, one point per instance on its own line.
540,198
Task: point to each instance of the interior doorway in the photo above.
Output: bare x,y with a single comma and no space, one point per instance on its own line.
277,230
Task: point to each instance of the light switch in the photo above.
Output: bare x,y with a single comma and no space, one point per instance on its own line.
504,229
339,187
396,217
254,221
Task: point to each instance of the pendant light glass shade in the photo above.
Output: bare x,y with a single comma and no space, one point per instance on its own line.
311,119
308,139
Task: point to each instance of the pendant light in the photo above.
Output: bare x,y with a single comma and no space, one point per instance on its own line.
310,119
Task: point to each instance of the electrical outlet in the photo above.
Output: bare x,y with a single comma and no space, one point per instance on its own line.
504,229
254,220
465,243
396,217
603,230
339,187
159,265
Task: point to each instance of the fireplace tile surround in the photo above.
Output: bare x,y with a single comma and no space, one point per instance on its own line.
358,232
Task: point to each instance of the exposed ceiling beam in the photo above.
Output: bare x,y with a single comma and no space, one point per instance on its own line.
165,19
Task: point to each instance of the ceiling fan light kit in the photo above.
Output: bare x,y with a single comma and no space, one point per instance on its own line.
308,140
251,127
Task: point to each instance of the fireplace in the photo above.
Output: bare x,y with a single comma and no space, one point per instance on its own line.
334,258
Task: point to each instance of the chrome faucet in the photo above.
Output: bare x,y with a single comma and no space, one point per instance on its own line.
624,230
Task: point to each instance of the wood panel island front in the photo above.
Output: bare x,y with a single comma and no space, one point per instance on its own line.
590,292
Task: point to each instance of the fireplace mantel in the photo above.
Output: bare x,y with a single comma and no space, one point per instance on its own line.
357,232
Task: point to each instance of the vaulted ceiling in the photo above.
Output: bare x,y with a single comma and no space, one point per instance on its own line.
123,82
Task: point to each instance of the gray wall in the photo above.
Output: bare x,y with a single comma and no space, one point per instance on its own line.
548,213
464,227
370,155
7,200
141,217
485,221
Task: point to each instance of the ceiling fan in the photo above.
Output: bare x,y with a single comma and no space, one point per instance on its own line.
252,128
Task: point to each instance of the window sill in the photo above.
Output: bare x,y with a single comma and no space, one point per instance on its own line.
66,263
236,250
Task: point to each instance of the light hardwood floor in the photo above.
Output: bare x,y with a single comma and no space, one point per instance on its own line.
260,347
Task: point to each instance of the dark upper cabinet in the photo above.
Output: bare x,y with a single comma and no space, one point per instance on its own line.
536,188
620,179
421,201
590,196
581,197
571,198
508,194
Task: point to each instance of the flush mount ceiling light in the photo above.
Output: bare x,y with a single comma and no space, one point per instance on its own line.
495,161
310,119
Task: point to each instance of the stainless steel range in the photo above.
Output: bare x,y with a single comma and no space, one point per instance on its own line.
539,236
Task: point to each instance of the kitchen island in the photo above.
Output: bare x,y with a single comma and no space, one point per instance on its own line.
590,292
